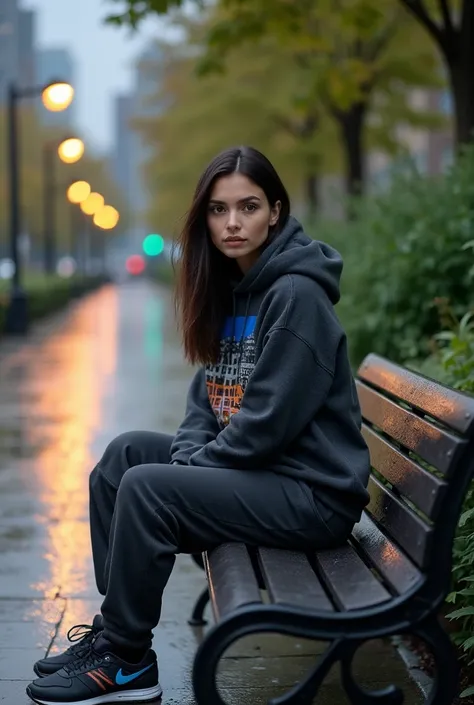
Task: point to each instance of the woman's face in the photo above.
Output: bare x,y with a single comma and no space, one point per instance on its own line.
238,217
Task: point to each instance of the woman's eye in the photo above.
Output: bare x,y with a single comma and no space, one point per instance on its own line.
216,209
250,207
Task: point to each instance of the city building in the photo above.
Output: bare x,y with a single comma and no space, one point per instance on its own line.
26,49
440,146
123,143
130,150
9,32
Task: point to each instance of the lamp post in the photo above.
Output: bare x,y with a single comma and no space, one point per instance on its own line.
56,96
92,204
106,218
69,150
77,193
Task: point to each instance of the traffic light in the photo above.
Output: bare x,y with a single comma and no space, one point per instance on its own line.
135,265
153,245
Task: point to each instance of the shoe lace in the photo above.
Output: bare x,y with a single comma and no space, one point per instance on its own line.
74,635
79,633
86,660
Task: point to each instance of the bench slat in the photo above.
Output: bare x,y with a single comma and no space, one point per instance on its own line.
408,477
231,578
452,408
351,582
290,580
393,565
402,525
437,447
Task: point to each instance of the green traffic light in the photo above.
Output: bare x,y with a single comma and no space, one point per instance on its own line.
153,245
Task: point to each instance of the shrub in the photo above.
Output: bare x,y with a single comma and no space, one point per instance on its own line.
48,294
403,252
453,364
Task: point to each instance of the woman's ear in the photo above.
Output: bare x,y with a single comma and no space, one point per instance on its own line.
275,213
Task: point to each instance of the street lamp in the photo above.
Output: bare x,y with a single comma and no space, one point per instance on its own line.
93,203
106,218
70,150
78,192
56,96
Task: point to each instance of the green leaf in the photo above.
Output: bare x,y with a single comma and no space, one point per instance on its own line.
466,516
468,644
463,612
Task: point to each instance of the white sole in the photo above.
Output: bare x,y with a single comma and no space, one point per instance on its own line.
119,697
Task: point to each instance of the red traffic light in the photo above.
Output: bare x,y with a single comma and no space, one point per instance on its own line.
135,264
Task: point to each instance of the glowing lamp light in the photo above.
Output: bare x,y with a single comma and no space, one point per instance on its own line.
93,203
135,265
57,96
106,218
71,150
78,192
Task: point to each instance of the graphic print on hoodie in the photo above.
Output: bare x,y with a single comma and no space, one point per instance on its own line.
282,394
226,381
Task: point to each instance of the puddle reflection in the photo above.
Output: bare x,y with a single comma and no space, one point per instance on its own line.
111,363
70,372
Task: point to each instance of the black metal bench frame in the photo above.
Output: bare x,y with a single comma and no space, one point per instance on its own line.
393,575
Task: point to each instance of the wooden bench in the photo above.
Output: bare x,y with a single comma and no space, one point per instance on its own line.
391,577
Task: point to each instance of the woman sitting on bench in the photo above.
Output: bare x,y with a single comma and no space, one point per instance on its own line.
270,451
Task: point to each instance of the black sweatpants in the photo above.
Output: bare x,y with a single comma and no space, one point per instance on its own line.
143,511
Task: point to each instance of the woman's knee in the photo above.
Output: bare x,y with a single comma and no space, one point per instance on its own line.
117,458
122,445
150,481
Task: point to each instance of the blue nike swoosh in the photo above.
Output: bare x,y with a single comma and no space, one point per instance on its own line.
120,679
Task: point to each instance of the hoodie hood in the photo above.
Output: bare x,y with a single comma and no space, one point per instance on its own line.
293,252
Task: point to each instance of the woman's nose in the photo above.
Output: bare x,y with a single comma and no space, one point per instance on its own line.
233,221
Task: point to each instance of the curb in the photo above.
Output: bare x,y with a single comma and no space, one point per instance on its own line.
412,663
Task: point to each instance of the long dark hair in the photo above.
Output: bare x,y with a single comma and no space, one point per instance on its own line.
203,289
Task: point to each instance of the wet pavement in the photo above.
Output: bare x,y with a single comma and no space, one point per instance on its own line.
111,363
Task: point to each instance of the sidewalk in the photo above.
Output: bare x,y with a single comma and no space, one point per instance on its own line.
111,363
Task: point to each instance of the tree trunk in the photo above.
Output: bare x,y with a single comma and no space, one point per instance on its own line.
351,125
462,86
312,195
455,40
460,63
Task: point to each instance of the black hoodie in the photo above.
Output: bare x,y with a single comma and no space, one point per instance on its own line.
282,395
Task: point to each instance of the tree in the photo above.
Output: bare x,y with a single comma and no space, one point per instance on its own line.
242,105
451,24
352,51
32,138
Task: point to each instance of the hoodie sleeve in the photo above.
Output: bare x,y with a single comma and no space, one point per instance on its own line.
287,387
199,426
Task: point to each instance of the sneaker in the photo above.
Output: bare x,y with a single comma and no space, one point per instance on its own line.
83,632
99,677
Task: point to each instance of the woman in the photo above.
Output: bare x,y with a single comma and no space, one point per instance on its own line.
270,450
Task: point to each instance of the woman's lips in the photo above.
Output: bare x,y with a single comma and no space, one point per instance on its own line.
234,241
